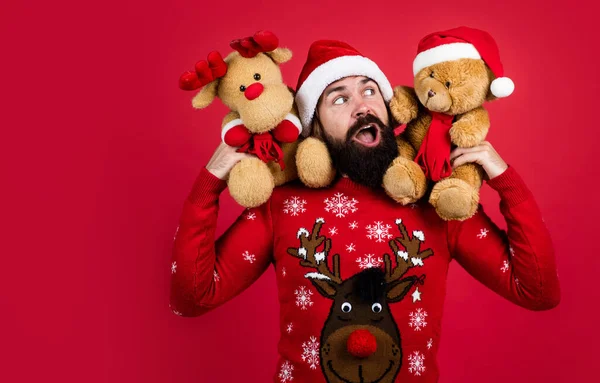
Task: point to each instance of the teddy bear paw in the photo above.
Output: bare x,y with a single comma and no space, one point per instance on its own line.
250,182
465,136
404,181
403,105
454,199
313,162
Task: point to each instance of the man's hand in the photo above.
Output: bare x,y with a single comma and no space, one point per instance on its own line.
483,154
223,160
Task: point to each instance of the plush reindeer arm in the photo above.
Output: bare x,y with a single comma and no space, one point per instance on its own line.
233,131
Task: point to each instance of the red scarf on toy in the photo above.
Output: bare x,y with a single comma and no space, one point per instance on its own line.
434,153
264,147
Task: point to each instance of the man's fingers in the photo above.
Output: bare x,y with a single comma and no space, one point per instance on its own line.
484,154
224,159
240,156
460,151
476,157
485,146
222,148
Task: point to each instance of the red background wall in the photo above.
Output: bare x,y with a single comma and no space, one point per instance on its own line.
100,148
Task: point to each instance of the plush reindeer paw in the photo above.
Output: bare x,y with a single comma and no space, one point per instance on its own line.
286,131
454,199
315,168
237,135
404,181
404,105
250,182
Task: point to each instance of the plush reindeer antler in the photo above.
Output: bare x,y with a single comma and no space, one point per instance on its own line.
206,71
262,41
410,257
324,279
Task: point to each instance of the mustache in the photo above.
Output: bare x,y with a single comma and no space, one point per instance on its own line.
362,121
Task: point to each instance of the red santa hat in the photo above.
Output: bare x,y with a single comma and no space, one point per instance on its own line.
464,43
329,61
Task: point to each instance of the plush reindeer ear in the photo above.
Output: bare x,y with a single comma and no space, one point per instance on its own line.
280,55
398,289
206,95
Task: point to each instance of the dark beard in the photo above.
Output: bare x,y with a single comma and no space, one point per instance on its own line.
361,164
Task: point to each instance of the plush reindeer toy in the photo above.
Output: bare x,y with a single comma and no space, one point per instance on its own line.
261,121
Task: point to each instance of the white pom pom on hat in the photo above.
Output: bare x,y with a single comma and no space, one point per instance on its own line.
502,87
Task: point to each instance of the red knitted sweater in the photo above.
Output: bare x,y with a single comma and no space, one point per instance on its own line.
341,319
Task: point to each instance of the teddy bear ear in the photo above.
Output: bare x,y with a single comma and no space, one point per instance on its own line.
280,55
206,95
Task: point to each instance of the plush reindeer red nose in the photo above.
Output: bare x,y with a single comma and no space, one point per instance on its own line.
254,90
361,343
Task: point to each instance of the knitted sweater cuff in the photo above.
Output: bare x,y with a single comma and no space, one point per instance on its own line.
206,188
511,187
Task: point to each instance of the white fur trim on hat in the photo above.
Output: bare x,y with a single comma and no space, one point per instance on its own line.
331,71
446,52
502,87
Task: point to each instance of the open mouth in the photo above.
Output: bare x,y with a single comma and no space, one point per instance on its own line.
369,135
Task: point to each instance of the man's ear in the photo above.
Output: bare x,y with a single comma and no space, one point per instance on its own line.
280,55
206,95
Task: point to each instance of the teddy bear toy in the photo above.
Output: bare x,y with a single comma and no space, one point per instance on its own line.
261,121
455,71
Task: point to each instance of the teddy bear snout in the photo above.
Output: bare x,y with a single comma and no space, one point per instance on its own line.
254,90
431,93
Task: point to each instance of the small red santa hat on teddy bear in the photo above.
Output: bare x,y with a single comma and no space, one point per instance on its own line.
464,42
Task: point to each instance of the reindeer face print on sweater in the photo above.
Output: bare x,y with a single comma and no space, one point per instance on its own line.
360,341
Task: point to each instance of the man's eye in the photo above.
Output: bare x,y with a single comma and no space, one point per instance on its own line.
339,101
370,92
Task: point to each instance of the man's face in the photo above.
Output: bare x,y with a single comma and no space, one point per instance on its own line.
355,125
345,101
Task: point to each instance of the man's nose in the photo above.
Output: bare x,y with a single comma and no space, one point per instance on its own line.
361,110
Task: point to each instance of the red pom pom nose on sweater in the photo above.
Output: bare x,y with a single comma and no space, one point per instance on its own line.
361,344
254,90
